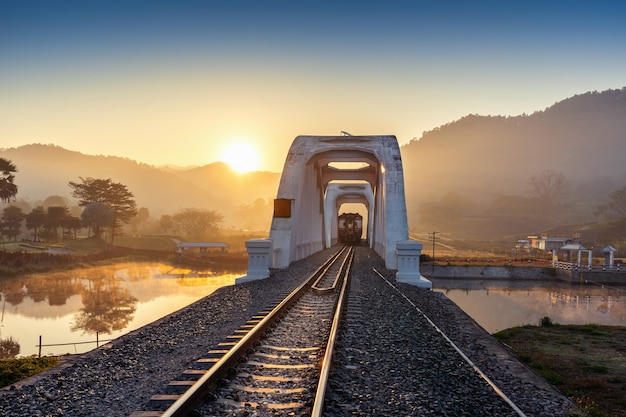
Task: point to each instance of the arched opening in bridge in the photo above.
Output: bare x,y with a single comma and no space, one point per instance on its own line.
358,208
348,165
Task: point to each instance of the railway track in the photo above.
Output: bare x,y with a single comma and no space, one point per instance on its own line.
277,362
391,358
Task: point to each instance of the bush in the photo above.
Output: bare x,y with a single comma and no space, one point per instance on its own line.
9,348
546,322
13,370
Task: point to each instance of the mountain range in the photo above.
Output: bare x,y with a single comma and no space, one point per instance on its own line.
479,159
45,170
476,157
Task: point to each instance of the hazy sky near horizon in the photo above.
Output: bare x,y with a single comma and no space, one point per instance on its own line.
176,82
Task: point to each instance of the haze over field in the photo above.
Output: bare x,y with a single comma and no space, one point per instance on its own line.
183,82
469,178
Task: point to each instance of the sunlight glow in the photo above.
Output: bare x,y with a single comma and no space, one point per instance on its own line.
241,156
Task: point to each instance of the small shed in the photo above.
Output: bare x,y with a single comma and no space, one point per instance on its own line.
570,248
203,246
609,255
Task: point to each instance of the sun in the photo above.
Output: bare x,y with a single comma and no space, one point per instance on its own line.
241,156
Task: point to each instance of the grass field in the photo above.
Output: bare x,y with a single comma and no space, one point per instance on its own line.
585,362
13,370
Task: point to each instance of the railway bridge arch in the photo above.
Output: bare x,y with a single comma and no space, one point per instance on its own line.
320,174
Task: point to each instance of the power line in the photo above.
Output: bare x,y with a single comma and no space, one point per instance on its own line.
432,236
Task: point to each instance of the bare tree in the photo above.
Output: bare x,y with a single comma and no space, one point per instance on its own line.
549,189
615,209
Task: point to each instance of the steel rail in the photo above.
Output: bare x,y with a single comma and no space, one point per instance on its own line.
333,287
458,350
318,405
195,395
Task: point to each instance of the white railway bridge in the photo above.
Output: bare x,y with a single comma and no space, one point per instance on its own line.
320,174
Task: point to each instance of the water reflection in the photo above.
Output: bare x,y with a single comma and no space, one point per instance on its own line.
74,306
106,306
497,305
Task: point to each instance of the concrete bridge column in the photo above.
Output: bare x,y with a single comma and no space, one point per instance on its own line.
408,253
259,258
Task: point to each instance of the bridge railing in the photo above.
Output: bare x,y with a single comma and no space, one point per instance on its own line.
572,266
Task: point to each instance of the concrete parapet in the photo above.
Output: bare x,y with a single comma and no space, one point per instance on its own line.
408,253
495,272
259,258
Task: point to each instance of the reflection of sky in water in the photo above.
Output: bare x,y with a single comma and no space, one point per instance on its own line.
496,307
50,304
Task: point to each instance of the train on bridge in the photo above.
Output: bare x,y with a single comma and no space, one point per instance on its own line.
350,228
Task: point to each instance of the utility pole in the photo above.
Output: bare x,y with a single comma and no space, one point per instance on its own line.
433,237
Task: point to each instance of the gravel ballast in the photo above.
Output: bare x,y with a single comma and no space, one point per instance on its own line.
392,361
379,370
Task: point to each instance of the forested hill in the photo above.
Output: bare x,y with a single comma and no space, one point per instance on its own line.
582,137
45,170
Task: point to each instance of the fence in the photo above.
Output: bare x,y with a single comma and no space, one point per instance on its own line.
571,266
97,342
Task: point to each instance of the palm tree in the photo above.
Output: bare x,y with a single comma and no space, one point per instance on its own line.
8,190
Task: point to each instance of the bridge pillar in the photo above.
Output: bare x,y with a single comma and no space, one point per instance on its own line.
408,252
259,260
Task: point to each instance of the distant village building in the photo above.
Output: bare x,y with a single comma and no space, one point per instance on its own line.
568,253
203,247
577,248
609,255
548,244
522,246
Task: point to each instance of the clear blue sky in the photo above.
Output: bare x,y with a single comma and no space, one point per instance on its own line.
177,82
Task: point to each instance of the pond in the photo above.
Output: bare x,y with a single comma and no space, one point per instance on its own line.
498,305
77,310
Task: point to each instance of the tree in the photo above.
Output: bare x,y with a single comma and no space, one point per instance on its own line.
143,214
255,216
70,224
615,209
55,201
8,189
449,212
35,220
614,216
166,223
11,221
55,218
97,215
549,189
9,348
196,223
114,195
